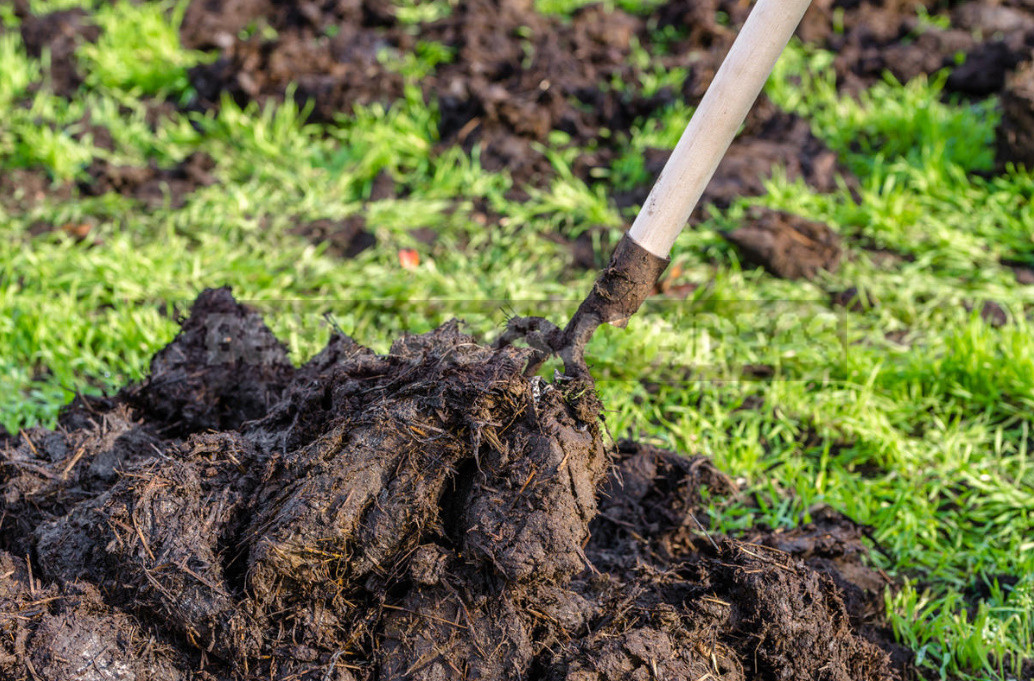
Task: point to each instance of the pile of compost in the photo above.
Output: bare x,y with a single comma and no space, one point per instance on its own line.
429,513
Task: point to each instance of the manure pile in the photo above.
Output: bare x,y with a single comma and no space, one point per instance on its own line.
430,513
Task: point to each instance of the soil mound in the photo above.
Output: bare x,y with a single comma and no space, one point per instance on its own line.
429,513
786,245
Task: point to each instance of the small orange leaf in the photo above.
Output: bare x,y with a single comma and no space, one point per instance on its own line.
409,259
77,230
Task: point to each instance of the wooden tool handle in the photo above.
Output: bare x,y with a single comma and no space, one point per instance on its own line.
715,122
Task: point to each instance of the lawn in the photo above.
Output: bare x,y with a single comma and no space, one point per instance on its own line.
910,412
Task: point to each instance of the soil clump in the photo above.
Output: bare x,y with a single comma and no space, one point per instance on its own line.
1015,135
786,245
346,238
152,185
60,34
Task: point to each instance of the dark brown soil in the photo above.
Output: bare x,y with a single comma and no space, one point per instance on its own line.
1024,275
59,33
334,72
49,631
887,35
991,312
150,184
22,189
345,238
786,245
853,300
771,138
1016,132
517,77
431,513
97,135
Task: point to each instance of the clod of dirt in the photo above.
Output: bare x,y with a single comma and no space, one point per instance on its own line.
833,545
429,513
871,37
98,135
1024,275
24,188
150,184
650,532
382,187
993,18
992,313
45,473
224,368
518,76
60,33
986,67
346,238
787,246
852,299
330,51
651,506
1015,134
217,23
866,57
874,36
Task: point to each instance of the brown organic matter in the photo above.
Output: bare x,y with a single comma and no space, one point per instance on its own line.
429,513
516,76
152,185
513,77
58,33
1015,137
786,245
770,138
345,238
68,632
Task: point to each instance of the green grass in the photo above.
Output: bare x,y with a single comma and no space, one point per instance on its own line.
912,416
138,52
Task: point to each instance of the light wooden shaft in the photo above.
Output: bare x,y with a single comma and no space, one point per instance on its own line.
715,122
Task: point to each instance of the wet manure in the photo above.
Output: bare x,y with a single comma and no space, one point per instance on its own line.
428,513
